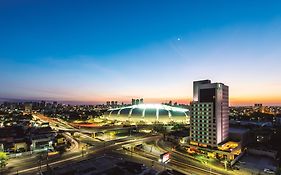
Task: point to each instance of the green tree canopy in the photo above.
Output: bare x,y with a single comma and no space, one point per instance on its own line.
3,159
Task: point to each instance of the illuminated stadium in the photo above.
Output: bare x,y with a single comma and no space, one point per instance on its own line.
149,113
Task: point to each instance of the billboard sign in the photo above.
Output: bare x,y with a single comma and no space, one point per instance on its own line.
165,157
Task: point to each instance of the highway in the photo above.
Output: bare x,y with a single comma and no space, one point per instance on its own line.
192,162
32,164
78,152
179,164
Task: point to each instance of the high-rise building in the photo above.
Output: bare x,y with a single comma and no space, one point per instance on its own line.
112,103
43,104
258,105
209,113
137,101
108,103
133,101
170,103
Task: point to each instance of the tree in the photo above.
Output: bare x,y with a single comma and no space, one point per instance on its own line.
178,127
3,159
160,129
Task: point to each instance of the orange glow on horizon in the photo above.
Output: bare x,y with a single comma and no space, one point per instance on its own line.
233,101
252,100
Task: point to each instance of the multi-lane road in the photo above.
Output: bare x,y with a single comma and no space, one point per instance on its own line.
177,162
29,165
78,152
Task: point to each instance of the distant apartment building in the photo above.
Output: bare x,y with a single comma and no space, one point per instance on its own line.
112,104
209,114
258,107
108,103
42,104
137,101
170,103
133,101
28,108
55,103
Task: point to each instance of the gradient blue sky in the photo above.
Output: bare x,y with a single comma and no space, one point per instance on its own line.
94,51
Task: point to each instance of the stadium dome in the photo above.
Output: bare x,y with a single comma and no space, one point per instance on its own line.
149,113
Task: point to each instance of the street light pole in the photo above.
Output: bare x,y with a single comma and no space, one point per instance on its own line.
164,167
40,164
131,152
225,163
47,158
83,151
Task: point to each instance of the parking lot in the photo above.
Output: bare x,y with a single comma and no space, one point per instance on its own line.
256,164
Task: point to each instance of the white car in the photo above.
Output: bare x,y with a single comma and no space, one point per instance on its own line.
269,171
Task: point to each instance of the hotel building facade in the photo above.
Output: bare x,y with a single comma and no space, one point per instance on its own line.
209,122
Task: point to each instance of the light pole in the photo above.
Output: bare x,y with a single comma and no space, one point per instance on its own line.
83,151
40,164
225,164
209,164
164,167
47,160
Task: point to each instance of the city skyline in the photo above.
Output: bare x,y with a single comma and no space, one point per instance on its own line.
92,52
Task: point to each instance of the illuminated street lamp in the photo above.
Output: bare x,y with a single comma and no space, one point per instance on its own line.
84,147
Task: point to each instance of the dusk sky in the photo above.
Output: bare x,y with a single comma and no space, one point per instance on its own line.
99,50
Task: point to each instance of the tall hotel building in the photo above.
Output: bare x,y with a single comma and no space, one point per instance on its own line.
209,114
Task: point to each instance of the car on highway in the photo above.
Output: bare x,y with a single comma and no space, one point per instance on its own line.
269,171
241,162
236,167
